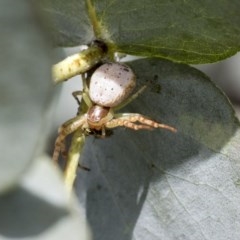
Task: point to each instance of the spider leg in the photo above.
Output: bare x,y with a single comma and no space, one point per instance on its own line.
84,94
130,99
64,150
67,128
136,121
76,95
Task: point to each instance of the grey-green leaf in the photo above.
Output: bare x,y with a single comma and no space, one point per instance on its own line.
25,87
69,21
163,185
40,208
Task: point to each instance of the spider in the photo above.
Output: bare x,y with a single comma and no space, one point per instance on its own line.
109,89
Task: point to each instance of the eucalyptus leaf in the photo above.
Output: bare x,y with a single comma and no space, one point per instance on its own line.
40,208
184,31
163,185
69,21
25,88
33,201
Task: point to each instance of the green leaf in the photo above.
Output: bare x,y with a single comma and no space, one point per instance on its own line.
161,185
184,31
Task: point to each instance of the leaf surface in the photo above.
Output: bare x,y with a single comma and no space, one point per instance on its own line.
69,21
42,209
161,185
183,31
25,86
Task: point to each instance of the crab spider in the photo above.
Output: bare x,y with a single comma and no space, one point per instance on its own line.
109,90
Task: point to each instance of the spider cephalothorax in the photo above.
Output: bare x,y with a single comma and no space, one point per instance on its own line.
98,116
109,90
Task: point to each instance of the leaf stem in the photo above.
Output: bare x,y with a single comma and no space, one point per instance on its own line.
77,63
74,153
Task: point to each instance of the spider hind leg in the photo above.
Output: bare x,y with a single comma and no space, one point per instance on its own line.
136,121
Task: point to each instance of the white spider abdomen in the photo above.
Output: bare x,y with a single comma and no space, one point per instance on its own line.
111,84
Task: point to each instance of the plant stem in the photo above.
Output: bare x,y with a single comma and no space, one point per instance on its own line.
77,63
74,153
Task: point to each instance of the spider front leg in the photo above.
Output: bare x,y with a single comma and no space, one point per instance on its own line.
84,94
67,128
130,99
136,121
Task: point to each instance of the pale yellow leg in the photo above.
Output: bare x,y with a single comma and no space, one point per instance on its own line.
67,128
130,99
136,121
84,94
